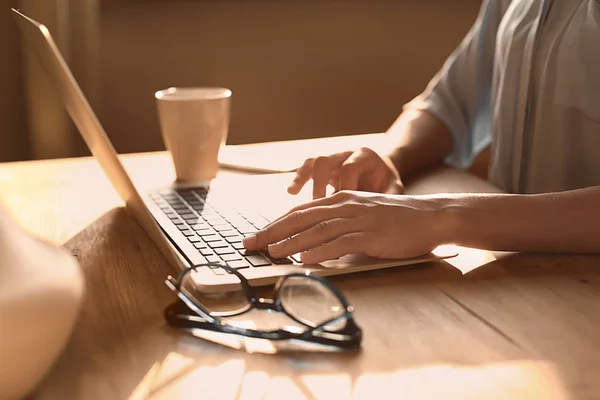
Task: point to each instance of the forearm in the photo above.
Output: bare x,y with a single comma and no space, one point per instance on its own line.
566,222
421,140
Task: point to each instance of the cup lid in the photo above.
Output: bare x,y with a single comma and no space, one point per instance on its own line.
192,93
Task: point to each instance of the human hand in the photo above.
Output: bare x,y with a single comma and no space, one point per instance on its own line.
362,170
377,225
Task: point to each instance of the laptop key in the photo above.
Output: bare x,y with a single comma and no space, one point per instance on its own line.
229,233
213,259
231,257
208,210
200,245
258,260
237,221
188,233
195,258
222,228
194,239
234,239
217,244
214,221
238,246
277,261
257,220
201,226
188,196
239,264
199,207
211,238
225,250
206,232
230,215
182,227
245,252
207,252
246,230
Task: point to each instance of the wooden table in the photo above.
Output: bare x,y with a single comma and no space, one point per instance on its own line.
523,326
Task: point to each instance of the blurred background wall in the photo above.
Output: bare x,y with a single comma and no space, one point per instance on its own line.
13,130
297,68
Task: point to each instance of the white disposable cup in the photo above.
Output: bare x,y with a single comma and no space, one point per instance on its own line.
194,122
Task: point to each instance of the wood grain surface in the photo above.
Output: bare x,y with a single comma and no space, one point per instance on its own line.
520,326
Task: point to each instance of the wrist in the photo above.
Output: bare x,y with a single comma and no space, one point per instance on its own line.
480,220
445,220
394,159
442,216
454,222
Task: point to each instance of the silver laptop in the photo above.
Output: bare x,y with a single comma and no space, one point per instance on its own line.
191,224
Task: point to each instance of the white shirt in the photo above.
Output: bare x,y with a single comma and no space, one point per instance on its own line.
526,79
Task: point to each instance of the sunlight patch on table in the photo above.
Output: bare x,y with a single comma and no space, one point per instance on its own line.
184,378
254,385
329,386
180,377
512,380
466,259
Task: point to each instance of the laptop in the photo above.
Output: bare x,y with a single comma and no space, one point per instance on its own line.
191,224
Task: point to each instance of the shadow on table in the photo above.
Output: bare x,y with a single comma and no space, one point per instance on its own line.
428,331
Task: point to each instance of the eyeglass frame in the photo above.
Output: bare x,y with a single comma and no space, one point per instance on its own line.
347,338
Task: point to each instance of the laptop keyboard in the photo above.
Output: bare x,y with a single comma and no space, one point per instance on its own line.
215,233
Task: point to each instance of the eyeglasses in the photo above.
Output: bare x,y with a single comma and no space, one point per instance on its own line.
322,314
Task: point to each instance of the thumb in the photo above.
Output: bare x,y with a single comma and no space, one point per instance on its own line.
354,169
395,187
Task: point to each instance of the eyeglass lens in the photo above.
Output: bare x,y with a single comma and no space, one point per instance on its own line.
311,302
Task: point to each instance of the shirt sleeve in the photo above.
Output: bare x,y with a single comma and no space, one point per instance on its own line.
460,93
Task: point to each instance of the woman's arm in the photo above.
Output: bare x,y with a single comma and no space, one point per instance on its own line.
421,139
389,226
567,222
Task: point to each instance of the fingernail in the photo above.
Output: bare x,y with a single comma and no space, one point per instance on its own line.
249,241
